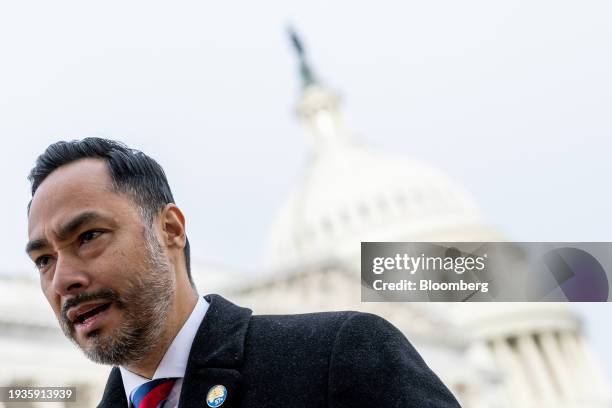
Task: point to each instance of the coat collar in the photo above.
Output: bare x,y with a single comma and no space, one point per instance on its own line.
216,354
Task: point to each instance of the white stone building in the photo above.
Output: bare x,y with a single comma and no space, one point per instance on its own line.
490,355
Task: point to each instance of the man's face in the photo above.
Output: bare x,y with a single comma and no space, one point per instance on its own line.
102,269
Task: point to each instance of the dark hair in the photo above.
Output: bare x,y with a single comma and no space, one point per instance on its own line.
133,173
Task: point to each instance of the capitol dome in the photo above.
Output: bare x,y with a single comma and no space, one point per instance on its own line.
350,193
501,355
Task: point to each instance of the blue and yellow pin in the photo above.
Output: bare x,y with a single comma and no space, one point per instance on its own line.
216,396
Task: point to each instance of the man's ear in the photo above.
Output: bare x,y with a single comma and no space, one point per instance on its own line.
173,226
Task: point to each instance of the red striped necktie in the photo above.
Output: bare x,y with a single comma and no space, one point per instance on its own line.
152,394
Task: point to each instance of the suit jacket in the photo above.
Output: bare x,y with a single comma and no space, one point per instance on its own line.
332,359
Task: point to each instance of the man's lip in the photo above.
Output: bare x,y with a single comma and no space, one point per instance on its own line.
75,312
93,322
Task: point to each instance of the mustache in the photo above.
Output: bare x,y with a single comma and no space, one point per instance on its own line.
103,294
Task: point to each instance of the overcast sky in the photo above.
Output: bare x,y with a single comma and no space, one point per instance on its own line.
512,99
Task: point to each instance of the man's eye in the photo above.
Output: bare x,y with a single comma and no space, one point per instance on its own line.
89,235
42,261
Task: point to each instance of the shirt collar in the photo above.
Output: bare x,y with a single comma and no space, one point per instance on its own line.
174,362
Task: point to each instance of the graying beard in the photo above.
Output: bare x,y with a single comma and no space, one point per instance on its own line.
133,342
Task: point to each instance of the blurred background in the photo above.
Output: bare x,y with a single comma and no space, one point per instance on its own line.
437,120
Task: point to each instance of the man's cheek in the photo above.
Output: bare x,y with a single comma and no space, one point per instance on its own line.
54,301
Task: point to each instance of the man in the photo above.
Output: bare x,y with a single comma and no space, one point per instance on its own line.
113,259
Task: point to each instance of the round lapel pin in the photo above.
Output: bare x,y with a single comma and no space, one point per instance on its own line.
216,396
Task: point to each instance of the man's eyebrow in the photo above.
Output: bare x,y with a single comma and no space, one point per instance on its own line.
36,245
68,229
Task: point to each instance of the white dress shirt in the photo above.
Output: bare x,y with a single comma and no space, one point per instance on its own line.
174,362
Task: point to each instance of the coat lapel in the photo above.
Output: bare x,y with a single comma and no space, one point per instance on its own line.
216,354
114,393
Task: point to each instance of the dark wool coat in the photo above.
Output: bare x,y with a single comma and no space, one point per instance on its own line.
333,359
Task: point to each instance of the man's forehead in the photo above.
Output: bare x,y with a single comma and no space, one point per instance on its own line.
70,189
94,169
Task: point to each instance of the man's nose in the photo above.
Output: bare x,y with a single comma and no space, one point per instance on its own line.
70,277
